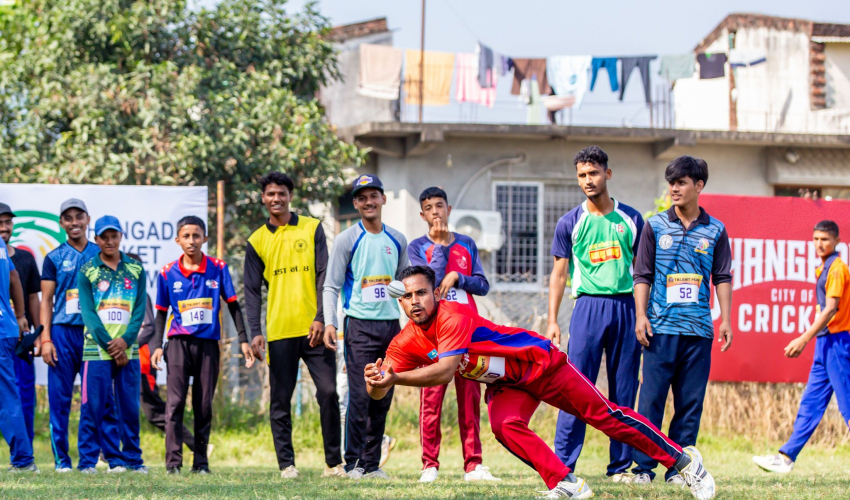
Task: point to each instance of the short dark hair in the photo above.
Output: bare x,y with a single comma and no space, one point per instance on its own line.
423,270
827,226
687,166
278,178
433,192
592,154
191,220
134,256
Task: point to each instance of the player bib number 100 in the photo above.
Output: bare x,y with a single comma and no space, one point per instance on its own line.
114,312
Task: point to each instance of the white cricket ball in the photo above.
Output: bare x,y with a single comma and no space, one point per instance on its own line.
396,289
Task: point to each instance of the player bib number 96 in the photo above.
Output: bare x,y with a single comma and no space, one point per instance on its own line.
374,289
683,288
114,312
196,311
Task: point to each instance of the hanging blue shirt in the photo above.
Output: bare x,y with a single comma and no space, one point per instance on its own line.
62,265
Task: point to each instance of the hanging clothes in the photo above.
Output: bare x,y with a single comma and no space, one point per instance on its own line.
527,69
467,88
711,66
437,84
741,58
380,71
641,63
503,65
485,66
569,76
675,67
535,107
610,65
554,103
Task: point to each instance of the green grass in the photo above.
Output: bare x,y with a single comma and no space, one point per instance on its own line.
244,467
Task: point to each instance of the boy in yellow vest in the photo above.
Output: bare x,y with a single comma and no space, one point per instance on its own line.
289,255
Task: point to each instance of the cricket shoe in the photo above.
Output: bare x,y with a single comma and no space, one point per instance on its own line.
642,478
376,474
566,489
337,471
696,477
778,463
480,473
677,480
88,470
118,469
27,468
429,475
143,469
63,470
622,477
289,473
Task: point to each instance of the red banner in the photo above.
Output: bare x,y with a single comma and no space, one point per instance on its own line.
773,268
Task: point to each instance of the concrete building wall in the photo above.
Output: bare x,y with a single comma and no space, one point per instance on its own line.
837,75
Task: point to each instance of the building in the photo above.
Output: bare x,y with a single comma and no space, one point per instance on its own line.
803,87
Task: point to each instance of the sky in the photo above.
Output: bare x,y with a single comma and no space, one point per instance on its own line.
541,28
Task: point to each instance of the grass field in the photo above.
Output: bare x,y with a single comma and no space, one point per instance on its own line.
244,466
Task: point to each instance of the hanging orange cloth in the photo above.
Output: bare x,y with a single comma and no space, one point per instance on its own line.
439,67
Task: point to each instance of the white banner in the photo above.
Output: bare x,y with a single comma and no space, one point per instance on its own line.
148,215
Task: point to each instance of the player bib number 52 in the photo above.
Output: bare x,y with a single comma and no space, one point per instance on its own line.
683,288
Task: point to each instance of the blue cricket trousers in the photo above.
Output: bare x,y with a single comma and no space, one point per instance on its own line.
680,362
601,324
830,373
68,342
102,379
25,378
11,417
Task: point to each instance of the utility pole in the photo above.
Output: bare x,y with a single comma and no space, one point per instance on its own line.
422,63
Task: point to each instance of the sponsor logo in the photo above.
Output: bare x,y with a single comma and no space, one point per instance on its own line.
293,269
665,242
702,246
604,251
67,265
103,285
433,354
364,179
212,284
38,233
619,228
462,263
388,250
300,245
128,284
178,287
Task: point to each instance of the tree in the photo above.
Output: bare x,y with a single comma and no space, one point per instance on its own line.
151,92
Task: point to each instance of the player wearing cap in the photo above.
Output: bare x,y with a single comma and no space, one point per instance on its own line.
28,272
63,338
289,254
112,303
454,259
13,323
364,260
193,288
521,369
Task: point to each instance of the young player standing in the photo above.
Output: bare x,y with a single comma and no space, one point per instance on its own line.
192,287
13,323
289,254
596,242
364,260
112,303
680,250
830,371
28,272
63,338
521,369
454,259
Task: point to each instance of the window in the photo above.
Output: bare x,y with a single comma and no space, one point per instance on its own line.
347,215
560,199
798,191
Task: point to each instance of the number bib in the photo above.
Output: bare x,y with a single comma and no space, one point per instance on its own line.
374,289
457,295
196,311
114,312
485,369
683,288
72,301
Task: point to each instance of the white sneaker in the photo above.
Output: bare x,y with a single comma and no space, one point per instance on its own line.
622,477
289,473
118,469
142,469
479,473
63,470
677,480
429,475
376,474
775,463
387,445
642,478
356,473
338,471
699,480
89,470
566,489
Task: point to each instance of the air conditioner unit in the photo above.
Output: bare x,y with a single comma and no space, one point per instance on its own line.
483,226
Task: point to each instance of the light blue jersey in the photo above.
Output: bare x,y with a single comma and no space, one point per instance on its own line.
362,264
62,265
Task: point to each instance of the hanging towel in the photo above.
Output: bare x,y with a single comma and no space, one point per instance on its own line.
674,67
380,71
527,69
438,77
535,107
467,88
610,65
711,66
558,102
569,76
740,58
641,63
485,66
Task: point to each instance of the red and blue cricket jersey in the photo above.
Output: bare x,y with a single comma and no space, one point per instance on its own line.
195,296
460,256
492,354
